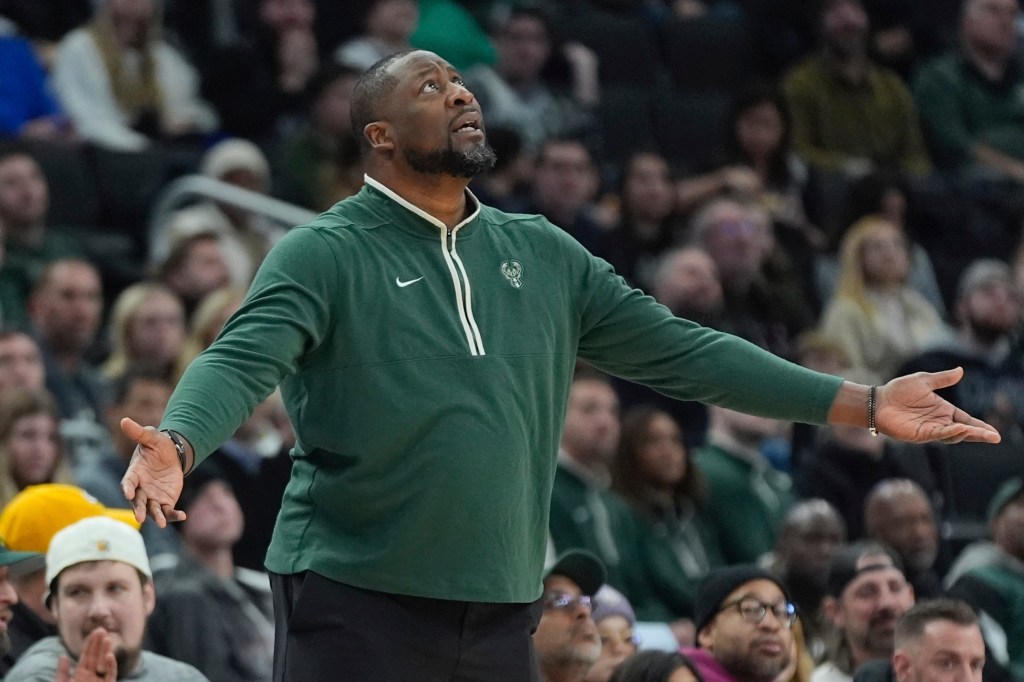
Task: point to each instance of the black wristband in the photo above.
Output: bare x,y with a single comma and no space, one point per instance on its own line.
872,406
179,446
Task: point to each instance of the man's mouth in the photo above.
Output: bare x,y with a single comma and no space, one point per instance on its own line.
467,123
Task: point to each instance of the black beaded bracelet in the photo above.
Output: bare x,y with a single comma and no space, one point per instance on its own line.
179,446
871,410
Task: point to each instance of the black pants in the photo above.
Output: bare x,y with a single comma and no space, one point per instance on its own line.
327,631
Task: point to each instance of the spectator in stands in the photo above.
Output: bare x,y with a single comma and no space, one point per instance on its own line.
657,666
147,331
887,195
764,302
899,514
939,640
615,622
246,237
989,575
811,534
98,576
584,514
655,473
270,64
29,241
850,114
321,164
520,93
989,312
648,224
867,594
876,316
566,639
30,444
66,307
21,362
123,85
211,613
970,108
28,522
136,394
685,279
12,565
389,25
565,186
27,108
195,266
747,498
744,626
206,323
758,164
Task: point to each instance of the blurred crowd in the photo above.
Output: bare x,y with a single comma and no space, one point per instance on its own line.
837,181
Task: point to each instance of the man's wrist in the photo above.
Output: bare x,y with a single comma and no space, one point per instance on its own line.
181,446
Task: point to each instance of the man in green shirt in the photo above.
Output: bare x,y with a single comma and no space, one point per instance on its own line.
424,345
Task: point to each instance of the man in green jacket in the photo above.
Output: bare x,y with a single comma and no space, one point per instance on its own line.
424,345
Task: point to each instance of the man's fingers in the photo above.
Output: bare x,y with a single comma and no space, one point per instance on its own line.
139,504
157,512
132,428
173,515
945,378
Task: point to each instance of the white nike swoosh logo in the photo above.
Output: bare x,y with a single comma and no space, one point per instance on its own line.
402,284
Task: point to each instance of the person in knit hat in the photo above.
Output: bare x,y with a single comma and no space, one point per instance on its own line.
615,620
744,619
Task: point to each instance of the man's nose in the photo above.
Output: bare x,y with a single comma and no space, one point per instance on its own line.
461,96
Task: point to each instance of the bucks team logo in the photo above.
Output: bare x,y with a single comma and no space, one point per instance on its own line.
513,271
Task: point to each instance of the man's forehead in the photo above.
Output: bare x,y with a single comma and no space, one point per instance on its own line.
561,583
417,63
876,573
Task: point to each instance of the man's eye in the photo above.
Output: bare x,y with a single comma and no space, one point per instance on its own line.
458,80
429,86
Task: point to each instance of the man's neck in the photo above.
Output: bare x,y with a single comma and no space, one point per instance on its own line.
592,471
442,196
217,559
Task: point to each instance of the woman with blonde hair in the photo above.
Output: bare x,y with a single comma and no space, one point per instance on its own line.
147,331
876,316
207,321
30,446
123,85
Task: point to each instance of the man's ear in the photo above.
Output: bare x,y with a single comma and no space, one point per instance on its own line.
378,134
830,605
148,597
901,665
706,637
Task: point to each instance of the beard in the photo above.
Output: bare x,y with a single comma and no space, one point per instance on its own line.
5,643
744,667
127,660
448,161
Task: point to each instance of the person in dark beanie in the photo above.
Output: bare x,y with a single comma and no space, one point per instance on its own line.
744,619
211,613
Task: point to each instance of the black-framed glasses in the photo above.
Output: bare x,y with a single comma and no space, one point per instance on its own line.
561,601
753,610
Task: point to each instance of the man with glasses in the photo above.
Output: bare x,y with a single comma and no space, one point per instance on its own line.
744,619
567,642
867,595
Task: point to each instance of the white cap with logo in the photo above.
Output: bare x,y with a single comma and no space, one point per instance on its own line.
97,538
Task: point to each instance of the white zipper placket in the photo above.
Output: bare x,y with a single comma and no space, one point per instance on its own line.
463,291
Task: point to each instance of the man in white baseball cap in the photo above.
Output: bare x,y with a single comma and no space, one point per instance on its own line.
98,576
